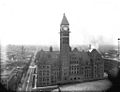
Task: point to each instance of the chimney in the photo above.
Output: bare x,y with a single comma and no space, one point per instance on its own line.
51,49
89,46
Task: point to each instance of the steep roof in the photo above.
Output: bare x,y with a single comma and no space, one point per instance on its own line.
85,57
46,57
64,20
94,53
75,50
81,54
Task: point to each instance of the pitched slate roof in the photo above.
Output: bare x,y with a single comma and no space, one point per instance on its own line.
46,57
94,53
81,54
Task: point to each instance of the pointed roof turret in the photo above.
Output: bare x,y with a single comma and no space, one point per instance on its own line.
64,20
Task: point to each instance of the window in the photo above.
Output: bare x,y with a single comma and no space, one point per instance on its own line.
43,66
43,73
64,73
47,66
98,59
72,72
43,79
40,73
65,40
66,34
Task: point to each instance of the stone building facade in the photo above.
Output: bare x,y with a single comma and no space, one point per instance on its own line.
66,65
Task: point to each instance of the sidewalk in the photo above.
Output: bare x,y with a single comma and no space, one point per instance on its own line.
99,85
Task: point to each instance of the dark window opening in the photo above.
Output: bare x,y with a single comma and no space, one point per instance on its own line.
75,78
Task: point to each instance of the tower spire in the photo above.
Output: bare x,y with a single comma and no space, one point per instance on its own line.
64,14
64,48
64,20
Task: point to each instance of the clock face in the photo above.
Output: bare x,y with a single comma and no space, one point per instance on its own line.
65,28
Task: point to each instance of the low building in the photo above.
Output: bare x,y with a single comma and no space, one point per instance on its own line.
111,66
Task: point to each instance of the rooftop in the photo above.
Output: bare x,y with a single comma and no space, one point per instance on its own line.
64,20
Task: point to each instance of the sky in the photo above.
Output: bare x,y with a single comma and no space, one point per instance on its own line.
37,22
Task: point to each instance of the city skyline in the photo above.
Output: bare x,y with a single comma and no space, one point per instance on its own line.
37,22
33,68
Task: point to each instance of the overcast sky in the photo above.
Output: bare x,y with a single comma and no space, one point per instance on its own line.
37,22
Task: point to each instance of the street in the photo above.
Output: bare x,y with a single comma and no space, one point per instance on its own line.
28,79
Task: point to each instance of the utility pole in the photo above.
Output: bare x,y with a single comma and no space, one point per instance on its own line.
118,48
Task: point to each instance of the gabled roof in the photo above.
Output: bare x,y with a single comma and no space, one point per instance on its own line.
64,20
47,57
85,57
75,50
94,53
81,54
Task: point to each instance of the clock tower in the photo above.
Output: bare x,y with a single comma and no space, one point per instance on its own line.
64,48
